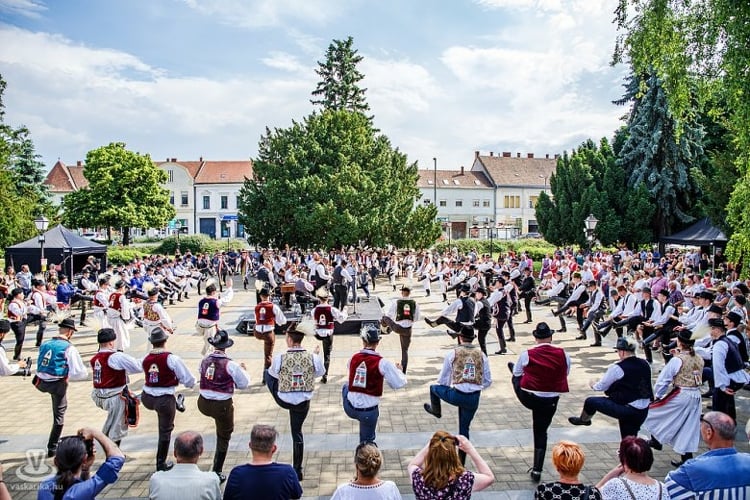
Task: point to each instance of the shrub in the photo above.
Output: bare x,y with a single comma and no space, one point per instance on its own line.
123,255
197,243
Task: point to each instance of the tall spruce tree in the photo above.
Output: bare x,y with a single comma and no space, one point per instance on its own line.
339,87
655,156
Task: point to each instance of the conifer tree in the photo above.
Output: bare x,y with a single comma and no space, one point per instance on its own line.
339,85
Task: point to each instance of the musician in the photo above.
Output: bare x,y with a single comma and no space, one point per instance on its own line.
340,279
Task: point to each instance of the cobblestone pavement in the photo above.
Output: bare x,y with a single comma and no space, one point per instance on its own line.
501,429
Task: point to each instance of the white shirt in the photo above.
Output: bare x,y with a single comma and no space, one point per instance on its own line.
393,376
405,323
181,371
338,316
184,482
446,375
239,376
523,361
279,319
722,379
7,368
76,369
295,398
613,374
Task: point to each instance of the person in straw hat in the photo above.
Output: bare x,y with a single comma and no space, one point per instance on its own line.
291,380
219,378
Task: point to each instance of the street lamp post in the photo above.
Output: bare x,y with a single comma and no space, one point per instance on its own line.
491,229
178,227
590,225
41,224
449,225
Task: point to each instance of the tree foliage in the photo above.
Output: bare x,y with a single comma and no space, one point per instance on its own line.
589,181
332,180
653,155
339,85
124,191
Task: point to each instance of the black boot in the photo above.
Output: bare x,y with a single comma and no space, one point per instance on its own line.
298,450
118,442
654,443
445,297
161,456
536,470
54,438
219,458
428,292
683,458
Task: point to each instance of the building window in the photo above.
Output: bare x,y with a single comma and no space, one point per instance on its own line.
532,201
237,201
206,202
475,203
170,175
459,203
171,198
443,203
184,199
486,203
224,202
512,202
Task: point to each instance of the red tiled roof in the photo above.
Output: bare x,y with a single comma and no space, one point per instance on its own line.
79,179
453,179
224,172
64,179
515,171
191,166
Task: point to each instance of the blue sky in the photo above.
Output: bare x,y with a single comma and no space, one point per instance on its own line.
191,78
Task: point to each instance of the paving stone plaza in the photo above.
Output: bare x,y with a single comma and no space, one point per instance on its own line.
500,431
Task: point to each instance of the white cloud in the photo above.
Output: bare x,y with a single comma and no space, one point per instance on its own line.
268,13
285,62
397,88
27,8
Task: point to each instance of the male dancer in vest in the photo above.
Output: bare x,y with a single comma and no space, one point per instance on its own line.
38,309
219,377
466,371
594,309
539,376
23,367
527,291
324,314
575,299
268,317
209,311
291,380
400,318
728,370
367,370
164,371
340,279
154,315
17,315
483,317
111,369
119,313
627,385
463,308
58,361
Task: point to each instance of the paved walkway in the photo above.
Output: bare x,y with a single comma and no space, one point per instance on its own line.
501,429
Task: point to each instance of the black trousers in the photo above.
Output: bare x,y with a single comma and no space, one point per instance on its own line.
527,304
41,320
542,411
222,411
723,402
297,415
404,335
58,390
166,409
482,338
327,348
340,293
19,331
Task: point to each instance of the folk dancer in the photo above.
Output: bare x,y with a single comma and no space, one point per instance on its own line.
219,378
101,302
209,311
627,385
367,370
119,314
37,311
155,316
58,361
576,298
324,315
539,377
465,373
163,371
23,367
527,291
728,369
482,317
268,318
17,315
401,315
291,381
111,369
463,308
594,306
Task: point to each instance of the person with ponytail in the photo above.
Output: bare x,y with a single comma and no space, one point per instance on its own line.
437,472
74,458
366,483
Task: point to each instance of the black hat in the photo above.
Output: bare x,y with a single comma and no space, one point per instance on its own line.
626,343
686,337
481,290
157,335
120,284
706,295
664,292
542,331
559,272
715,309
591,283
16,291
467,332
63,277
735,318
405,289
221,340
527,269
370,333
4,326
36,282
264,292
716,323
646,289
105,335
68,323
153,292
465,288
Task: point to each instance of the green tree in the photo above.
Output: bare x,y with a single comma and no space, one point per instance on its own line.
652,154
124,191
339,86
332,180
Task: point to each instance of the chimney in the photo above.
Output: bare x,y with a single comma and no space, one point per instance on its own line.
174,160
518,155
79,163
529,155
492,154
200,159
557,156
476,154
506,154
547,156
462,167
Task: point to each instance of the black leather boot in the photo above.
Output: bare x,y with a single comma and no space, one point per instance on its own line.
162,449
298,450
536,471
219,458
54,438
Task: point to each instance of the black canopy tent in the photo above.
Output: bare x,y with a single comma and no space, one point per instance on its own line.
62,247
700,234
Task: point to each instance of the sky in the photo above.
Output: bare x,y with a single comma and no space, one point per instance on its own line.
204,78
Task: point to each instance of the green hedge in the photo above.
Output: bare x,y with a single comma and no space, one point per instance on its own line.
536,248
197,243
123,255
